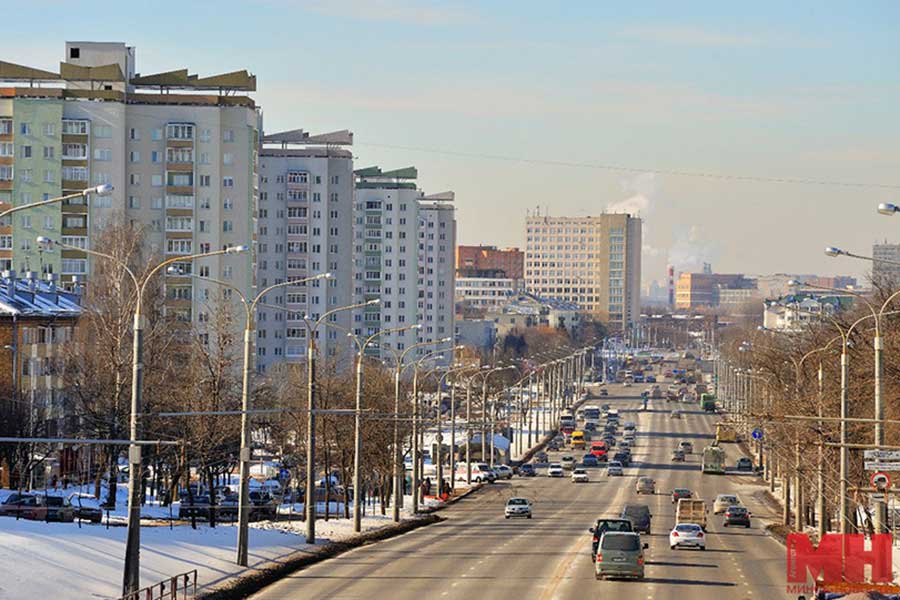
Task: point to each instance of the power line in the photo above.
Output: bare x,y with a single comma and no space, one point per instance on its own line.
639,170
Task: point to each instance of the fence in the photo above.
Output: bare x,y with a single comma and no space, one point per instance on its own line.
178,587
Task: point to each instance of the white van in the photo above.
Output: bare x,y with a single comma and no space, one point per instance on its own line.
480,473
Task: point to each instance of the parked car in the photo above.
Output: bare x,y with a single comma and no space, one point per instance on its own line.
620,554
16,503
503,472
737,515
227,508
639,515
50,508
744,464
263,506
580,476
677,455
679,493
645,485
194,507
614,469
527,470
724,501
555,470
87,508
517,507
604,525
687,535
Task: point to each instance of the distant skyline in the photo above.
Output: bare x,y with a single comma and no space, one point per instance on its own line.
519,105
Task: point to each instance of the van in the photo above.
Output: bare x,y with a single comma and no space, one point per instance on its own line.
691,510
480,473
578,439
620,554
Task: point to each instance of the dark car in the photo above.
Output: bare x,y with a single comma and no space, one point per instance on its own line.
553,444
604,525
639,515
603,392
651,379
589,460
541,457
16,504
263,505
737,515
679,493
227,507
609,439
87,508
590,426
527,470
198,507
623,457
744,464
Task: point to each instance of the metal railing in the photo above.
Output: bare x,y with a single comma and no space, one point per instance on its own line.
178,587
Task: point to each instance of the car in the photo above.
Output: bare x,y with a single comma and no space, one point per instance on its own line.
639,515
50,508
527,470
686,447
626,443
620,554
679,493
624,458
675,414
485,473
645,485
580,476
744,464
650,379
614,469
541,457
609,439
737,515
567,461
227,507
602,526
16,504
626,384
555,470
553,444
604,407
589,460
262,505
87,508
603,392
590,426
629,426
517,507
723,501
677,455
503,472
194,507
687,535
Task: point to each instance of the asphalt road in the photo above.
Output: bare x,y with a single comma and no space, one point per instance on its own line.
477,553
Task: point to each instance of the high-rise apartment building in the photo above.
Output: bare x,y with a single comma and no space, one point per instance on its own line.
180,150
883,271
474,261
403,244
594,262
305,227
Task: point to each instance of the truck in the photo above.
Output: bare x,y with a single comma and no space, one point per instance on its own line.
691,510
725,433
713,461
708,402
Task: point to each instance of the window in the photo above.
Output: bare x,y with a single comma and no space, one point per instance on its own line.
179,246
49,129
102,154
156,135
155,156
179,155
135,179
25,129
180,131
6,242
227,226
79,152
227,204
156,180
74,266
204,158
74,127
228,182
179,223
49,176
297,177
49,152
7,149
134,202
134,156
228,158
204,181
156,203
178,179
228,135
74,173
48,222
103,131
6,126
178,201
102,202
6,173
26,152
296,212
205,135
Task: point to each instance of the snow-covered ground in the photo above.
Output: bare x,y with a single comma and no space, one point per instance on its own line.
44,559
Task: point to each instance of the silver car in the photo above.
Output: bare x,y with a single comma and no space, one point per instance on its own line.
518,507
614,468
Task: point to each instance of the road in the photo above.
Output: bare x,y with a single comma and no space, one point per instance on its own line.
476,551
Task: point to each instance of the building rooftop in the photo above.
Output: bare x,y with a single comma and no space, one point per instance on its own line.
35,298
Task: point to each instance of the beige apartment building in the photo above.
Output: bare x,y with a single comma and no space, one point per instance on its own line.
594,262
180,150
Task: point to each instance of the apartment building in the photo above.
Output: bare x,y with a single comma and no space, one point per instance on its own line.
305,227
886,263
482,293
477,259
594,262
403,244
180,150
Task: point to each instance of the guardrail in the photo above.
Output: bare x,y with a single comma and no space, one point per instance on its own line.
178,587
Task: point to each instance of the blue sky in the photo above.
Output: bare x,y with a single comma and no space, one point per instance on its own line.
802,90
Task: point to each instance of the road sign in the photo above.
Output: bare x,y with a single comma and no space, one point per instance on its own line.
876,496
882,455
880,481
882,466
756,434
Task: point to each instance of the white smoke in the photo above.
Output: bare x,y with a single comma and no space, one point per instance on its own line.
691,249
643,189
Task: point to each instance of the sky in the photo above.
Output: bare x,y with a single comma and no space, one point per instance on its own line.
789,111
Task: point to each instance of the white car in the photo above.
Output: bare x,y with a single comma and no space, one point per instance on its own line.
580,476
626,443
555,470
503,472
517,507
567,461
687,535
614,469
723,501
676,414
626,384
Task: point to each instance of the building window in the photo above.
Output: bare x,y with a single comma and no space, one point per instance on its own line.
228,182
74,266
102,154
74,173
228,158
180,131
228,135
49,152
179,246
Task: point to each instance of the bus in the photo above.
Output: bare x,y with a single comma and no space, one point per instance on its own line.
713,460
592,413
708,402
725,433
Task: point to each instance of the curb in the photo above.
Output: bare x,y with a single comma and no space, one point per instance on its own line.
250,584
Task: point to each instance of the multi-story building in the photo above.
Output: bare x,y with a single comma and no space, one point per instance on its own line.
884,257
403,244
305,227
594,262
481,293
180,150
796,311
510,261
699,290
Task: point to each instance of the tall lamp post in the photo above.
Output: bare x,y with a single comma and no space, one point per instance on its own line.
440,433
131,578
244,508
99,190
417,462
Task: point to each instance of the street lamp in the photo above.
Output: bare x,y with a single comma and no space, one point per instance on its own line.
416,427
99,190
888,209
132,574
245,452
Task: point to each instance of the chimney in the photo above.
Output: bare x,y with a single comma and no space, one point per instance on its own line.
10,277
671,285
51,278
32,278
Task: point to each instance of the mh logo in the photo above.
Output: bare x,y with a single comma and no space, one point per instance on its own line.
839,557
